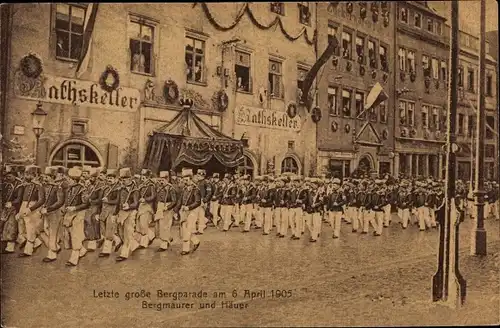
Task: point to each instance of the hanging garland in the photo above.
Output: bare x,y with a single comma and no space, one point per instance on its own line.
291,110
246,10
31,66
170,91
103,81
316,114
335,126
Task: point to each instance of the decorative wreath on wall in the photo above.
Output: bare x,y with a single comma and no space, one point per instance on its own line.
170,91
404,132
109,80
222,100
413,76
349,7
413,132
347,128
385,134
402,76
362,10
31,65
291,110
316,114
335,126
361,70
386,20
427,82
349,66
375,16
374,74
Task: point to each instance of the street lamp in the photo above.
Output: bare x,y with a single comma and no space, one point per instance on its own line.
38,119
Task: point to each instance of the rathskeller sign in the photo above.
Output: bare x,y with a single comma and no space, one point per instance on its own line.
267,118
60,90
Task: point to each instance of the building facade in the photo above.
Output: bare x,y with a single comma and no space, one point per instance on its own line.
348,137
253,54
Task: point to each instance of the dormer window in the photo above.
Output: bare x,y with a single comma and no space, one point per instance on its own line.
304,13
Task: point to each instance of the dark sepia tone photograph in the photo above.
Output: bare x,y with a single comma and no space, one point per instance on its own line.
249,164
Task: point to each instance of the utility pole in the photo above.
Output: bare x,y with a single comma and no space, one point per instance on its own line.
448,285
478,245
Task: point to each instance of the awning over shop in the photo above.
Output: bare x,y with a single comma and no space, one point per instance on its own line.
187,138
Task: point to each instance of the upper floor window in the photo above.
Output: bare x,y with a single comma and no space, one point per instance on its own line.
410,58
404,15
332,33
489,85
275,79
372,54
490,125
470,80
411,113
69,30
426,65
460,76
304,13
402,112
360,112
346,45
444,70
383,58
141,36
430,25
470,126
435,118
242,68
418,20
435,68
195,60
461,119
402,59
383,112
301,75
438,28
425,116
332,101
360,49
346,103
278,8
487,46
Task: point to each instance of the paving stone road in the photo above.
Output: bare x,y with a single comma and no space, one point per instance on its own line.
354,280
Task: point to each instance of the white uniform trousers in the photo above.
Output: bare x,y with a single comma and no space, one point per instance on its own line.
335,218
126,231
258,213
52,224
201,218
33,223
73,223
361,217
387,215
308,222
404,214
495,210
296,216
423,217
214,210
369,218
21,225
352,214
225,213
188,223
316,225
285,215
267,216
247,210
432,217
236,214
277,219
164,219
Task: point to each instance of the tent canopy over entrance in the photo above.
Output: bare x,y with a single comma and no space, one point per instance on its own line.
187,138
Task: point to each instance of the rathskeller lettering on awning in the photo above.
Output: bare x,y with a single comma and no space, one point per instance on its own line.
267,118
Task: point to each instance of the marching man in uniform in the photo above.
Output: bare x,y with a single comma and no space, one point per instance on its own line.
217,187
257,210
247,206
13,199
147,192
266,202
94,193
206,195
190,201
336,199
52,211
29,217
109,211
74,216
127,213
167,199
227,201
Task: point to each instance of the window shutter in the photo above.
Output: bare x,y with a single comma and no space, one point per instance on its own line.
282,89
43,153
112,162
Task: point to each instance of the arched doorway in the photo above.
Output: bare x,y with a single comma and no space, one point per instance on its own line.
365,165
75,153
289,165
247,166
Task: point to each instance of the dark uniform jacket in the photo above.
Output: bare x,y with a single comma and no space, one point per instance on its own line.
31,192
112,193
167,194
268,196
56,196
206,190
250,194
129,195
335,200
229,194
74,197
190,196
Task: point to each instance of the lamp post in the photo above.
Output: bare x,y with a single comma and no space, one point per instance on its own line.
38,119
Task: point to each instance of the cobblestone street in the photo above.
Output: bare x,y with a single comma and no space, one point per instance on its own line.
354,280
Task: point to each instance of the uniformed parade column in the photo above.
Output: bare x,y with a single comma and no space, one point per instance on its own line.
448,285
478,245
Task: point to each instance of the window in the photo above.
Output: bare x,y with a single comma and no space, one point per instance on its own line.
75,154
346,103
195,60
69,30
383,112
489,85
444,120
246,167
487,45
360,112
289,164
304,13
79,126
384,168
471,126
404,15
402,59
278,8
426,65
141,37
383,58
490,125
435,68
346,45
438,28
444,70
402,112
410,59
275,76
243,72
460,76
430,26
418,20
411,114
461,123
332,33
291,145
332,101
360,49
338,168
470,80
372,55
425,116
489,151
435,119
301,75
